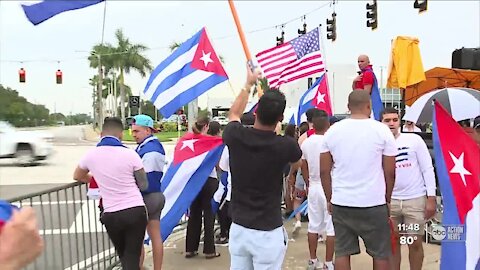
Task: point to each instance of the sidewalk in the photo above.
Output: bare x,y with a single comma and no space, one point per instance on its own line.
296,258
89,134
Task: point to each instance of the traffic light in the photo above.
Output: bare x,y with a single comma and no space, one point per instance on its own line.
281,39
372,14
59,76
303,31
21,75
332,27
420,5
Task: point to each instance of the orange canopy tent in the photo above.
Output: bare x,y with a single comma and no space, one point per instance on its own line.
438,78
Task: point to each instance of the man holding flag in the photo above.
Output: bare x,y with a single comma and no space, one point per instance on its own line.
457,159
153,158
367,81
257,160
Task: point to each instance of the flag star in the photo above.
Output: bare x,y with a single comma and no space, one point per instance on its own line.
459,167
206,58
189,144
320,98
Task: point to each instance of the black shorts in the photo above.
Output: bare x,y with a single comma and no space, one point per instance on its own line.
369,223
154,202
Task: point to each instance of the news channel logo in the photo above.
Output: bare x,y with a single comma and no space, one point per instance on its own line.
448,232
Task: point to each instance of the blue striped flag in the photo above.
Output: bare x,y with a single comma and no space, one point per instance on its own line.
191,70
39,12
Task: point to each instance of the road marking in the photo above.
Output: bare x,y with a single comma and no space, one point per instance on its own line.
49,202
86,220
89,261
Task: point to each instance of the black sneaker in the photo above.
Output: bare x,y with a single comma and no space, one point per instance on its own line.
222,241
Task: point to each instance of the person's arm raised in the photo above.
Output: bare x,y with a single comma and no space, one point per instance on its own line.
238,106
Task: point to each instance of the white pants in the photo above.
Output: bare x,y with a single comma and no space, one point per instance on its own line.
259,250
319,220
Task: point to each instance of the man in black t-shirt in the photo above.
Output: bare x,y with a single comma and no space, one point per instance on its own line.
257,159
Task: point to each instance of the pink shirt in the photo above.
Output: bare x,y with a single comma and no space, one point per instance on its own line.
113,167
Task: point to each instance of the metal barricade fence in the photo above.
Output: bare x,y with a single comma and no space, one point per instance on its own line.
69,224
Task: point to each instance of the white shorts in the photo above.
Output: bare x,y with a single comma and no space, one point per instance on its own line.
319,220
253,249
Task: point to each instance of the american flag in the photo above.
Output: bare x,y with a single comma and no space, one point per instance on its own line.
293,60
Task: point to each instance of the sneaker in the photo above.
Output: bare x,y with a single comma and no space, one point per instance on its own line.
315,265
222,241
329,266
296,228
320,238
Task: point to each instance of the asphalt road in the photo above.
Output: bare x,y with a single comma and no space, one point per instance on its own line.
68,222
74,239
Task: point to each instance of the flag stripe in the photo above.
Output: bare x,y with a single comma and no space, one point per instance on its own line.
185,185
276,55
44,10
299,66
185,96
277,68
172,64
292,60
182,85
298,69
171,80
305,73
267,53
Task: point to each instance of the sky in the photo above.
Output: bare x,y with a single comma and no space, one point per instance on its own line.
64,41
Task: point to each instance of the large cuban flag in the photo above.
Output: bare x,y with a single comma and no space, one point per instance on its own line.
194,158
457,160
191,70
317,96
40,11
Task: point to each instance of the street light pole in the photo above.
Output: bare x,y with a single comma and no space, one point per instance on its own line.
99,92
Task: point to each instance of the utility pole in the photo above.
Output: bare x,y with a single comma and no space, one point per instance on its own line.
115,109
192,113
99,92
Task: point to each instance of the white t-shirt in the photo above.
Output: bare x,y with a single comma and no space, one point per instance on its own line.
311,153
414,175
357,147
415,129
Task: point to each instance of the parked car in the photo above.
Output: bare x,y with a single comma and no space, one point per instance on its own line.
222,120
25,146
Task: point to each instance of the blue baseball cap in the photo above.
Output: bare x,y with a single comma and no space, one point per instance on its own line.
143,121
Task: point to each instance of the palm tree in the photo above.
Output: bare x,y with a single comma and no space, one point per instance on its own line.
100,54
123,57
105,82
127,57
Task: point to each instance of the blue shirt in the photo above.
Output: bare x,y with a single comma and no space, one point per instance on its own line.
153,157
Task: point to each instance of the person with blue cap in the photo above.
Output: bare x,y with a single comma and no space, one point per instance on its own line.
153,157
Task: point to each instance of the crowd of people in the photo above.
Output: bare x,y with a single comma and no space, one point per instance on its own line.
362,178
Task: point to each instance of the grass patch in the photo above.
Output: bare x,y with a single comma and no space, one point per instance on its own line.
162,136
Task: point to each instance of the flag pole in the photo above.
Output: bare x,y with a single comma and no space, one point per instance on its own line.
241,34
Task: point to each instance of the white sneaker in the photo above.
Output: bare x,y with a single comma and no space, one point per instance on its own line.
315,265
329,266
321,239
296,228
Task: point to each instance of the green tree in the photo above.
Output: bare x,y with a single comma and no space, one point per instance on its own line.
124,57
19,112
129,57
